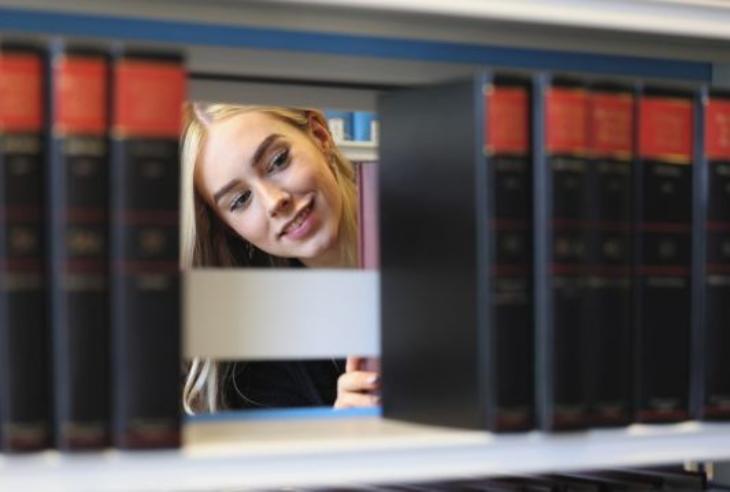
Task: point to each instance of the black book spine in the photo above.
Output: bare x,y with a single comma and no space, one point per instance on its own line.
435,301
715,402
663,251
77,226
24,354
148,95
608,290
561,248
508,103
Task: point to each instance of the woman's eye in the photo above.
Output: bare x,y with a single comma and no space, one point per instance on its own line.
240,201
279,161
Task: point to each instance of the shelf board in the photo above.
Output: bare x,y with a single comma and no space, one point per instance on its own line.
230,313
340,447
359,151
398,43
704,19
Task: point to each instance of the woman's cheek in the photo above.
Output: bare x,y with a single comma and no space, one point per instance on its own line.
252,231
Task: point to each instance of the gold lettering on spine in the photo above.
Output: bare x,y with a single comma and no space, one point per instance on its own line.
82,242
23,240
152,241
89,147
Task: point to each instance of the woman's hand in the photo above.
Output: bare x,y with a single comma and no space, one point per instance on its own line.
359,386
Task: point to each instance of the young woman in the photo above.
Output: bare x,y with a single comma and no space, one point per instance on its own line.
266,186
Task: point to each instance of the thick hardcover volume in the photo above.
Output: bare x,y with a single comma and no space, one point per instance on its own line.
77,224
368,239
715,402
147,104
509,154
435,257
563,201
663,250
24,355
608,269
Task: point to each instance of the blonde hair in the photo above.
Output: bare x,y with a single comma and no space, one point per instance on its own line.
208,242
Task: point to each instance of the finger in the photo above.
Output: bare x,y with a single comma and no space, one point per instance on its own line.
358,381
353,364
354,400
371,364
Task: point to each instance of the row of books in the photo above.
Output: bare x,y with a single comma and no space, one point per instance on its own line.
89,286
611,480
555,253
352,126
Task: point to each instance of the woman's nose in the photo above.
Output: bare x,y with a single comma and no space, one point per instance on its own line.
276,199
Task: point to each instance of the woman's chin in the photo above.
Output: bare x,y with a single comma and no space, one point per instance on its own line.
317,248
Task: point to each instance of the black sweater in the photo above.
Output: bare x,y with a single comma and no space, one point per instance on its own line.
267,384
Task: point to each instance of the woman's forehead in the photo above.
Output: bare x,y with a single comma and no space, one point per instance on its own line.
248,125
239,136
234,141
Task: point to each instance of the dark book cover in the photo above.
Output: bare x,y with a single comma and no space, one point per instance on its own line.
24,335
148,92
435,258
715,379
608,270
663,250
561,234
77,225
508,109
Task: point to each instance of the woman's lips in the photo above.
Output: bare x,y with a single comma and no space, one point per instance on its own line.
302,224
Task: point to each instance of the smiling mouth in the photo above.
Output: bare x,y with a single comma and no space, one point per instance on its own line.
298,219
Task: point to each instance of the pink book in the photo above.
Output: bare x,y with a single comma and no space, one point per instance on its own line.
368,239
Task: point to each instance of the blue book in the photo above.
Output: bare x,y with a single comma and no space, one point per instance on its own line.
362,126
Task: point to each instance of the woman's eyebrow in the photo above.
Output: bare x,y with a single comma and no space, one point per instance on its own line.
257,156
263,147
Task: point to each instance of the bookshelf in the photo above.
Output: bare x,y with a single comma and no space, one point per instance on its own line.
343,54
338,448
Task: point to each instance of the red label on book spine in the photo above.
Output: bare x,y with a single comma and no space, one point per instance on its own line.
21,102
665,129
717,129
80,90
148,99
507,120
566,122
612,124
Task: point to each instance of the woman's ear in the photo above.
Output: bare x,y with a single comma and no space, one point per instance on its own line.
320,131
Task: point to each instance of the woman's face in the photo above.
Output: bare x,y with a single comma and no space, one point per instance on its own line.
272,184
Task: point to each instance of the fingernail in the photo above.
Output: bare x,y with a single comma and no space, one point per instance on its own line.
374,379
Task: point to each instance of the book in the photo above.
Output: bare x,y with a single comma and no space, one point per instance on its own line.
436,256
25,390
148,92
715,349
561,234
364,126
508,146
608,289
368,234
663,251
78,189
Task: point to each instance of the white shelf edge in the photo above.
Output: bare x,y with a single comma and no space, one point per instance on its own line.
358,450
359,151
